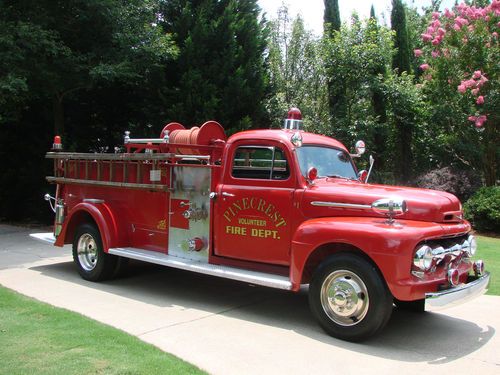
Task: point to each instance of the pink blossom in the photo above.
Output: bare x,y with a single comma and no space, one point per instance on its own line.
428,77
469,83
431,30
435,54
480,120
456,27
448,13
418,52
475,92
436,41
481,81
480,100
470,28
494,34
472,118
435,15
436,24
441,31
487,18
426,37
477,74
461,21
424,66
461,88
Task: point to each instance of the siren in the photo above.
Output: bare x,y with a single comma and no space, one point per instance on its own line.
294,119
57,145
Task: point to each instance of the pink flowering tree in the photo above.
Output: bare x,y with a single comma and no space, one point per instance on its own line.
460,65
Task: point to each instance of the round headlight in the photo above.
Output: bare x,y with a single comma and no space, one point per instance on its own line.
472,245
423,258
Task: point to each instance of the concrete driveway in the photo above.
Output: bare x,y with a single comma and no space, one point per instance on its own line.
228,327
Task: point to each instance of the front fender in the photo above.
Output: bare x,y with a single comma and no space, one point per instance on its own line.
103,217
389,246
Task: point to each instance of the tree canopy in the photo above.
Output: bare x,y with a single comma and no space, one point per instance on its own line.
423,93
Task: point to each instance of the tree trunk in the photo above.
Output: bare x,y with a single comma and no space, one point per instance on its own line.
58,112
491,139
404,156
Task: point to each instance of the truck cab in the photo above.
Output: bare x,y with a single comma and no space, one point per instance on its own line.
282,208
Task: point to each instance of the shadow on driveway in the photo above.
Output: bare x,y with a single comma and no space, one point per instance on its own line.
409,337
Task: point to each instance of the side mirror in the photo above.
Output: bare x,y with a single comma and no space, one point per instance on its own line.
312,173
360,149
362,175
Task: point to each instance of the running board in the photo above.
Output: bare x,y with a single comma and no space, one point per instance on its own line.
252,277
44,237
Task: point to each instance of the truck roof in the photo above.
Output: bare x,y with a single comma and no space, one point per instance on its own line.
284,135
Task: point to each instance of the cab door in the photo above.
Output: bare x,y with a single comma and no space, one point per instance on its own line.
254,204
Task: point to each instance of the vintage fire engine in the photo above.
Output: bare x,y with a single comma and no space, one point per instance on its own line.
281,208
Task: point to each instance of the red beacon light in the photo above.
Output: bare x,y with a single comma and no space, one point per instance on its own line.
294,119
57,145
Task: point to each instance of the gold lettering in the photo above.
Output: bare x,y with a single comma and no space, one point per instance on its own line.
245,203
260,206
281,222
241,231
265,233
269,209
237,205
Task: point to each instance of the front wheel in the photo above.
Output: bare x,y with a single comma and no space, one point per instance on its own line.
92,262
349,298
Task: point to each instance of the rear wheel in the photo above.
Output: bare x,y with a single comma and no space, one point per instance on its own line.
92,262
349,298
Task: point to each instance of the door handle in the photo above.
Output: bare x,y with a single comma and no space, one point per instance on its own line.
224,194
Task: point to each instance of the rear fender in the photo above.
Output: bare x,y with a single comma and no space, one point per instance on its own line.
100,214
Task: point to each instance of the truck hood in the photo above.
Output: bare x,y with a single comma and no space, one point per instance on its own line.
423,204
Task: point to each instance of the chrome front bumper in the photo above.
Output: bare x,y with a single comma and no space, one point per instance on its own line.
457,295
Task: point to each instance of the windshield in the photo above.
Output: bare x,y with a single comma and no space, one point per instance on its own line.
330,162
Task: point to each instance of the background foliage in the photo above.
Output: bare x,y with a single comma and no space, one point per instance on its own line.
89,70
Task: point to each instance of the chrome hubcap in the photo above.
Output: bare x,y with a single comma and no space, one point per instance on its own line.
344,298
87,252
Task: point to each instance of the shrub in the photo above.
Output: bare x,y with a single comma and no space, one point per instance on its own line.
456,181
483,209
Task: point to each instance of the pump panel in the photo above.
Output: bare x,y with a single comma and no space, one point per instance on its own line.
189,233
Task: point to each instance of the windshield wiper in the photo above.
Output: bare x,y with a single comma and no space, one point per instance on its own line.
343,177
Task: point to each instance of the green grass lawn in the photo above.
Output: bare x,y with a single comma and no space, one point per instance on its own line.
36,338
489,251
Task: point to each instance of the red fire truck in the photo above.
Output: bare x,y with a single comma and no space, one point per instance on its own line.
281,208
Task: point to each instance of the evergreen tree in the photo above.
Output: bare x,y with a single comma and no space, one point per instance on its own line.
331,16
401,62
378,69
401,59
336,90
219,73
